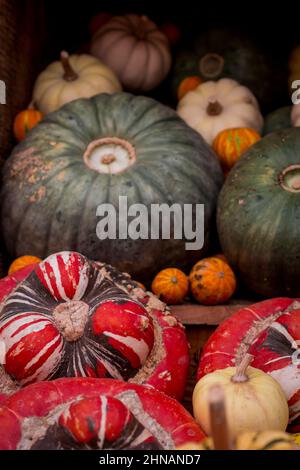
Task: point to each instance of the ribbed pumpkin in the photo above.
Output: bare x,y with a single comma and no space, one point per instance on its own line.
93,414
171,285
135,49
277,120
258,215
73,317
270,331
57,177
212,281
21,262
220,53
230,144
25,121
73,77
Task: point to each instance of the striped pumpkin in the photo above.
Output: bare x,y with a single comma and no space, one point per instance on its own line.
73,317
25,121
171,285
230,144
212,281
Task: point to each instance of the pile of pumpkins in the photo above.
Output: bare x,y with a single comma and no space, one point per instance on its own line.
90,360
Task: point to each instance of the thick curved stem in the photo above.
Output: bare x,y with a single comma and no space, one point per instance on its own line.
70,75
218,421
240,375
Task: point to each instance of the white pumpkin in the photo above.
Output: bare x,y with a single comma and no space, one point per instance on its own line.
295,115
135,49
73,77
217,105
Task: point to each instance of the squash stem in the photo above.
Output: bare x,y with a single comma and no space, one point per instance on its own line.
218,421
70,75
214,108
211,65
240,375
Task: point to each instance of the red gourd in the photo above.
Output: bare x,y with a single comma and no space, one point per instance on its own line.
91,414
270,331
75,317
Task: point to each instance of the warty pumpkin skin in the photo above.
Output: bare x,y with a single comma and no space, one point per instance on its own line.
258,215
94,414
51,192
73,317
270,331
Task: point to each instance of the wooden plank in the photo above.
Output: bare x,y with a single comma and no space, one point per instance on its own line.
195,314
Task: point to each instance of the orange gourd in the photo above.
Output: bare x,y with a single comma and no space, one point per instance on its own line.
230,144
171,285
23,261
212,281
25,121
188,84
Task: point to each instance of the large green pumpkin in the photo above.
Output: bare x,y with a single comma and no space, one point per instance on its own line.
219,53
90,152
259,215
278,120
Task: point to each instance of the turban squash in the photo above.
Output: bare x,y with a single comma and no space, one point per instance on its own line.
91,414
73,317
55,180
270,331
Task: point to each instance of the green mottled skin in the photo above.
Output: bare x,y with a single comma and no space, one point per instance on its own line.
278,120
49,196
259,221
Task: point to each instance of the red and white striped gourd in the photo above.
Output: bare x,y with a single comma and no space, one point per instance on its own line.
94,414
74,317
270,331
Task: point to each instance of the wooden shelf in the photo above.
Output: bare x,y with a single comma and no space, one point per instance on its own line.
195,314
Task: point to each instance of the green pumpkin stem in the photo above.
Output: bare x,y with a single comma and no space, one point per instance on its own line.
240,375
218,421
70,75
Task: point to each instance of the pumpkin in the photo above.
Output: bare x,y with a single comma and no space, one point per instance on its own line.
278,120
270,331
54,182
23,261
230,144
171,285
188,84
214,106
80,318
93,414
250,398
223,53
294,66
25,121
135,49
73,77
212,281
258,215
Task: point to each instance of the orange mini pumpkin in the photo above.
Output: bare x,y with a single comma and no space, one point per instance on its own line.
230,144
23,261
25,121
171,285
188,84
212,281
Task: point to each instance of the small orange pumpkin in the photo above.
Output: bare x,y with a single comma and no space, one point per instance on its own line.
212,281
230,144
25,121
188,84
171,285
23,261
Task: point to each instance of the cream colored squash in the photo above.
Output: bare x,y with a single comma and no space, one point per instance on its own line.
135,49
217,105
73,77
254,401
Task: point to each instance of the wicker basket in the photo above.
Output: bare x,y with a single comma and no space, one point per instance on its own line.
21,39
